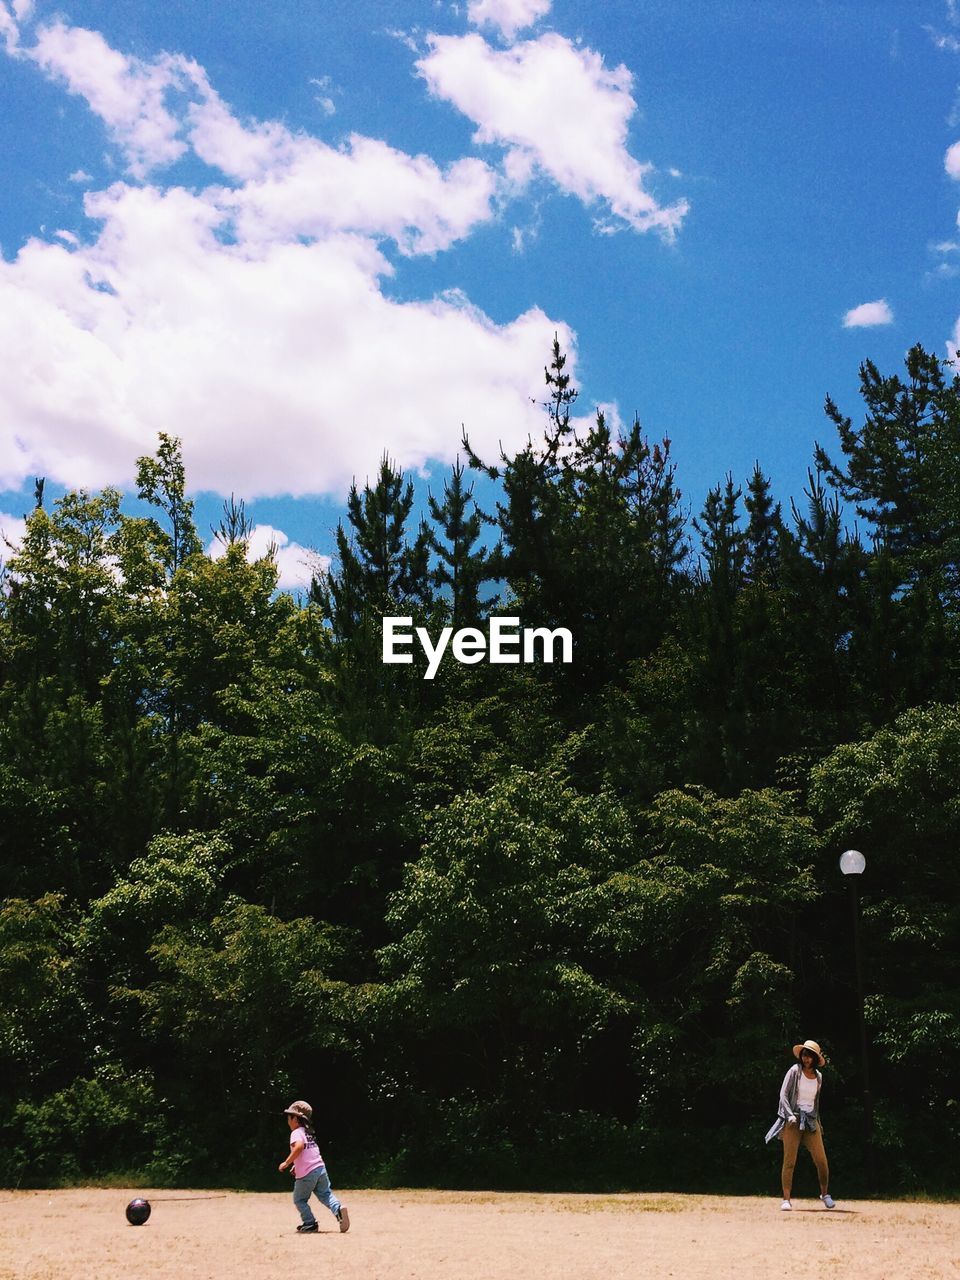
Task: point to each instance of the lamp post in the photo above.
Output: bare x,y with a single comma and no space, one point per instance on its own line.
852,864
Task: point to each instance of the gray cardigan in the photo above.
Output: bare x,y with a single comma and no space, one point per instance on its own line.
788,1101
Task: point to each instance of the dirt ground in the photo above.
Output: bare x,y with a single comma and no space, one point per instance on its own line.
431,1235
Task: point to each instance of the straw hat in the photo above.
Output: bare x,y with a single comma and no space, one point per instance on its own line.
813,1047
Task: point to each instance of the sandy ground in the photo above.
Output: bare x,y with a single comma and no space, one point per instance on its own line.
427,1235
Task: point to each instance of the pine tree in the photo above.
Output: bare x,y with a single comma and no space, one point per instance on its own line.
764,529
462,567
234,525
724,545
901,468
823,570
592,532
380,570
720,728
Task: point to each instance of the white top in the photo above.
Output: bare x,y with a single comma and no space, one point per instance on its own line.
806,1093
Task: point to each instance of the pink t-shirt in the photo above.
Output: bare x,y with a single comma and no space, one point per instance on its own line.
310,1157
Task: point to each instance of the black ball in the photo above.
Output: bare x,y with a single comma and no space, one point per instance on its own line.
138,1211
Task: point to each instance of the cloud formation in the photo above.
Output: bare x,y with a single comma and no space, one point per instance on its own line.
252,315
128,94
508,16
868,315
557,109
283,365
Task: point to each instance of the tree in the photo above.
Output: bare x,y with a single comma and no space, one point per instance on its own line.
895,795
592,533
235,525
704,931
764,530
489,962
380,570
241,1008
161,481
462,567
901,466
720,728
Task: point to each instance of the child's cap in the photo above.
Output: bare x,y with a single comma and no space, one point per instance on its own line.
302,1110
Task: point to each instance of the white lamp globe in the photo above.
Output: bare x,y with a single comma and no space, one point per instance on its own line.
852,863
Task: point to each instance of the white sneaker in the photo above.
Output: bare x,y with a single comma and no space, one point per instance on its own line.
786,1206
828,1200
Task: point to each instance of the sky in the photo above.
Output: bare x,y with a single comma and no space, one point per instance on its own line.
298,235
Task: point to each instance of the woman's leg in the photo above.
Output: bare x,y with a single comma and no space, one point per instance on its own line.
814,1144
790,1137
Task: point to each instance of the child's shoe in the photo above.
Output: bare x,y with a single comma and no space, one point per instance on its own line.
786,1206
343,1218
308,1228
828,1200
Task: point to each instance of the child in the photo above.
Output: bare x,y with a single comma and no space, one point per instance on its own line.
309,1171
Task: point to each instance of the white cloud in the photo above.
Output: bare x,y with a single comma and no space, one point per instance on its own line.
508,16
951,161
81,176
293,185
868,314
250,316
284,366
289,183
296,564
556,107
127,93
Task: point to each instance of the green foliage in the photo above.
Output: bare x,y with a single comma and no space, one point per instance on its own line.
491,960
161,481
42,1012
462,567
592,533
109,1123
896,795
244,979
176,882
704,928
379,568
515,920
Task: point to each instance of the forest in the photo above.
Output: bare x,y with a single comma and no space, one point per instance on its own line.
518,926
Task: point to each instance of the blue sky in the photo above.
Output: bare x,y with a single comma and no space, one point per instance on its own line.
299,235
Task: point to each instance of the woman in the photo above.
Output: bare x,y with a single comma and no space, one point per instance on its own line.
798,1120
